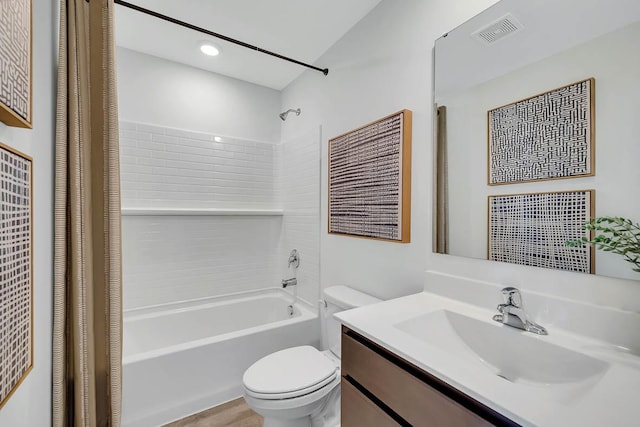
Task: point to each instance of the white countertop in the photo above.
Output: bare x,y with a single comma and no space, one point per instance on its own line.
611,398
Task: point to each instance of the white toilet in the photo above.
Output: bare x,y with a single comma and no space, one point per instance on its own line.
300,386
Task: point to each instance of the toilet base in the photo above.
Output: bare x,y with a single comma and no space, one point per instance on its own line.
299,422
322,410
306,422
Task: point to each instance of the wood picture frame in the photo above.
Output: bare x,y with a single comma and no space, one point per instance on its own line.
16,63
533,228
16,269
370,180
546,136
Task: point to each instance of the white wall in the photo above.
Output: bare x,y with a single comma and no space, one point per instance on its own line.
382,65
175,258
30,405
163,167
616,84
157,91
300,187
169,116
170,159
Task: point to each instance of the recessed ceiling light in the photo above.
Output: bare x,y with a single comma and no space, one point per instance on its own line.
217,139
209,48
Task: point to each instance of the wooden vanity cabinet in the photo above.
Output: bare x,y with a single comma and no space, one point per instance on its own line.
382,389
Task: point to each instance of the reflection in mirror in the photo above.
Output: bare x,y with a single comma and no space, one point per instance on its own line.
516,51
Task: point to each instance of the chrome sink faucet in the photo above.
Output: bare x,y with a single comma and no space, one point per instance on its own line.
512,313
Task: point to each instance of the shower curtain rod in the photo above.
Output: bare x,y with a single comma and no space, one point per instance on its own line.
137,8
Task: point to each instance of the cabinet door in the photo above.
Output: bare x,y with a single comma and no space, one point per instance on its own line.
358,411
406,395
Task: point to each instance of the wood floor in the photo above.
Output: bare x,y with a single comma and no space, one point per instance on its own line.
231,414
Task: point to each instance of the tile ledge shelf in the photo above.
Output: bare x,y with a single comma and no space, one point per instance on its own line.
199,212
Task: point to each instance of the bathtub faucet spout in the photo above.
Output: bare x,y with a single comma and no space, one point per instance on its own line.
289,282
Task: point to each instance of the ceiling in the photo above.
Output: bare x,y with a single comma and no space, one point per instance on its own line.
300,29
548,27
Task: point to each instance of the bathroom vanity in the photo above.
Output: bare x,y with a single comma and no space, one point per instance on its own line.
431,360
467,352
380,388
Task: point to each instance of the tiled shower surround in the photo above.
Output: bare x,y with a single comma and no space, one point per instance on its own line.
172,168
300,187
169,258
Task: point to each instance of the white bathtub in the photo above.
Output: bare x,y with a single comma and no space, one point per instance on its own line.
179,359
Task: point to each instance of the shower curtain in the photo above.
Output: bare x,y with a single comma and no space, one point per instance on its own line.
87,268
441,216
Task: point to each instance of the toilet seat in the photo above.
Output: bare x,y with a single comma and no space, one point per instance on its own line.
289,373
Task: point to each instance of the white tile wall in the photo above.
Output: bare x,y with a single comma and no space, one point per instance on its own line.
173,168
174,258
300,184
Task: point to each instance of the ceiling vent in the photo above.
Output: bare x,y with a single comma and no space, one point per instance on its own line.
497,30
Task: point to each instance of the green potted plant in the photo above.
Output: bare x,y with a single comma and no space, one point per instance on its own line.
614,234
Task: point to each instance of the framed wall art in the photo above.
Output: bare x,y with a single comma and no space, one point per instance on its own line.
370,180
532,229
15,63
16,273
546,136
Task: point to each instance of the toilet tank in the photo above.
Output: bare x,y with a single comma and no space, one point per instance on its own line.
340,298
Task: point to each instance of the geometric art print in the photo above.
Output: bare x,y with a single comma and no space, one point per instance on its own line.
16,299
370,180
547,136
15,62
532,229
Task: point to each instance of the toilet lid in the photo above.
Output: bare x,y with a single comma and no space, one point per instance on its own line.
284,372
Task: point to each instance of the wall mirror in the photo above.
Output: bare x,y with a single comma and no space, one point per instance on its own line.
522,62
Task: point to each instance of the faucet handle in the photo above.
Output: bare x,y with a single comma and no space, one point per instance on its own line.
512,296
294,259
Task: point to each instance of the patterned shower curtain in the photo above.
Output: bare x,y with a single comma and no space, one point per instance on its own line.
87,339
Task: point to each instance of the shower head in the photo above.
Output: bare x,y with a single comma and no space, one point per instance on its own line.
283,116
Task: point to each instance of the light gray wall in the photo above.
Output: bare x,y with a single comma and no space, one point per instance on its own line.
174,162
175,258
160,92
300,188
30,405
162,166
382,65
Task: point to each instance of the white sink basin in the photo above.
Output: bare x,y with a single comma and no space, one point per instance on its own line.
510,353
